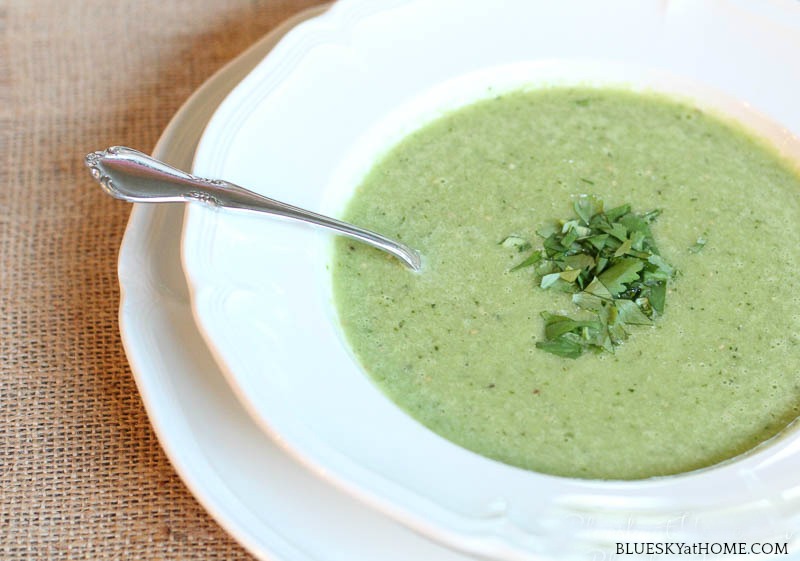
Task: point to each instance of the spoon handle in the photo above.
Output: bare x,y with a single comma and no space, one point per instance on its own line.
132,176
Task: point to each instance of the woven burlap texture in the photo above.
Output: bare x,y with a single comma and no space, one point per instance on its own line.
82,475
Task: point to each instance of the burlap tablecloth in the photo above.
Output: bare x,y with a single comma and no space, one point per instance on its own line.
82,475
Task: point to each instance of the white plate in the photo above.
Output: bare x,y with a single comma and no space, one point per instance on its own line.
274,507
305,125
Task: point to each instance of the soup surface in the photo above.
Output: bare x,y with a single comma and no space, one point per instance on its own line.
454,346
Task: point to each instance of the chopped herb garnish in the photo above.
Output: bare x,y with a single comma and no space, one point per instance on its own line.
609,261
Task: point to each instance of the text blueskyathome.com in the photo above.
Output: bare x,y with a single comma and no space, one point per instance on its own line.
702,548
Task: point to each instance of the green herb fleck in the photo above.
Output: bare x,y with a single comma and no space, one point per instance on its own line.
699,244
561,347
533,259
516,242
609,261
617,277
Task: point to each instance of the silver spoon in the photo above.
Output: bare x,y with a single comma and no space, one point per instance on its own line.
135,177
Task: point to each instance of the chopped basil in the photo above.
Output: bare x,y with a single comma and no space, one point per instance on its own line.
609,261
618,276
561,347
533,259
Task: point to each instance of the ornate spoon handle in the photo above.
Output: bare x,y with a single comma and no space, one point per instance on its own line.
132,176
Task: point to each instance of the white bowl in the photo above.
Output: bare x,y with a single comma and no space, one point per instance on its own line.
306,125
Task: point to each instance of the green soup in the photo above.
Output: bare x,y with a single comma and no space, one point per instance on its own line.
454,346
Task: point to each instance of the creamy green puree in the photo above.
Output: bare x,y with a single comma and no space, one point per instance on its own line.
454,346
